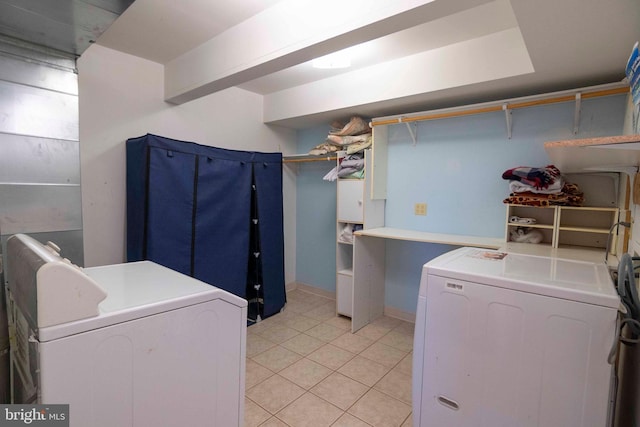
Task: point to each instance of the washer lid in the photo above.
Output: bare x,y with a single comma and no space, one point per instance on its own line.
136,290
559,278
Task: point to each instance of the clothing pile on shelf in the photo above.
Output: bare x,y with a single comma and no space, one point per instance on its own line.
541,187
346,233
351,166
353,137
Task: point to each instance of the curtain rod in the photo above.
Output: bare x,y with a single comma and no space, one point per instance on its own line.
306,160
585,93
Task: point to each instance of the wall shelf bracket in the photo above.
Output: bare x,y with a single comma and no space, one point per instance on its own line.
576,114
507,116
413,132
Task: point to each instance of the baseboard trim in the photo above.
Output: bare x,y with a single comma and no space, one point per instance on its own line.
315,290
291,287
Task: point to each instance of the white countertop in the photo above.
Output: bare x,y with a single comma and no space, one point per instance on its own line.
427,237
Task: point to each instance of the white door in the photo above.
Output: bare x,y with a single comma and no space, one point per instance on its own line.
344,294
350,200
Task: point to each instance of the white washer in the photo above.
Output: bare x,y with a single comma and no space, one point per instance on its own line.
513,340
161,348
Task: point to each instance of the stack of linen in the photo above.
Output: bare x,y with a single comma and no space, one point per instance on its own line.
351,166
541,187
353,137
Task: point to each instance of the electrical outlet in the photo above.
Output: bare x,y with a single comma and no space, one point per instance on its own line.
420,209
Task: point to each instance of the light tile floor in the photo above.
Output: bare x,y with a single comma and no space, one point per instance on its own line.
306,369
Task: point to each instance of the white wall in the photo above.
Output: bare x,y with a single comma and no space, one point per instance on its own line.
121,96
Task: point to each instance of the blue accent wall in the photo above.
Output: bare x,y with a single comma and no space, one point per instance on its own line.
455,167
457,164
316,216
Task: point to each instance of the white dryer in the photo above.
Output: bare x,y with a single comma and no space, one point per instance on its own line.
506,340
124,345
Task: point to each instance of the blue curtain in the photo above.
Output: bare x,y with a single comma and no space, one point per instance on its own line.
170,206
268,181
189,207
222,223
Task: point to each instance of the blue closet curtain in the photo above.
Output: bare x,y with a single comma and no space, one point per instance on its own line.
189,209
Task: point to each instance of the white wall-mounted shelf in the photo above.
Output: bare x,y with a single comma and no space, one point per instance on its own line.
613,153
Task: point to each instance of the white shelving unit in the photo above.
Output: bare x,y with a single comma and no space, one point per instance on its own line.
567,226
354,207
350,213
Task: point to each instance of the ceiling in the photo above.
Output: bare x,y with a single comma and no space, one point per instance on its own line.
434,54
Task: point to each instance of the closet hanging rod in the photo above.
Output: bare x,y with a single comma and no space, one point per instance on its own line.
314,159
498,106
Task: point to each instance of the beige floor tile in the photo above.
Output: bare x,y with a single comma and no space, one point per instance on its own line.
323,312
319,300
276,358
397,385
383,354
406,328
399,340
340,390
310,411
255,374
325,332
256,344
378,409
254,415
387,322
256,328
303,344
340,322
348,420
331,356
373,332
296,294
301,323
271,321
300,306
364,370
313,297
275,393
283,316
406,365
273,422
305,373
374,386
351,342
278,334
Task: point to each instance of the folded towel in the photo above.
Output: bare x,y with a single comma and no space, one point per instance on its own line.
538,178
517,220
521,187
